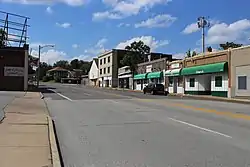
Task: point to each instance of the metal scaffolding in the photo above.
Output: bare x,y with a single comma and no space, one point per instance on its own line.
15,28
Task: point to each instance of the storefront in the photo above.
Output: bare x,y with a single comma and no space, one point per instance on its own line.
175,81
140,81
209,79
156,77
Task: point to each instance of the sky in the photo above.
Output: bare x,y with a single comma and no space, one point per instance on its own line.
85,28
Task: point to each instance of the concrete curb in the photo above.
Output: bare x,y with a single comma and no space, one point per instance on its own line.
2,115
53,144
231,100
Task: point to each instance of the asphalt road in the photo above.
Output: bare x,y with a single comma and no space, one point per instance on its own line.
108,128
6,98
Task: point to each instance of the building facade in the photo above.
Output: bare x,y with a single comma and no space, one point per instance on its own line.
125,77
174,79
206,74
94,73
108,64
239,85
151,72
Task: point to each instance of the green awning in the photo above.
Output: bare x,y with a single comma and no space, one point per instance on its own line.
204,69
155,75
140,76
174,72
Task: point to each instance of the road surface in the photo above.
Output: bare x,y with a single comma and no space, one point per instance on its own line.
109,128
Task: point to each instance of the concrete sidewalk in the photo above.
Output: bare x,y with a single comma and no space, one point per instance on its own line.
25,133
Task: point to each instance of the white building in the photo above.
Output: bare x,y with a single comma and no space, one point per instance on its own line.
94,73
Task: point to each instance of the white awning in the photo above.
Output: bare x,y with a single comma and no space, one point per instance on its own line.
125,76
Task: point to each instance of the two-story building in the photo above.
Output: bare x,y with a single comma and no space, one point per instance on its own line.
125,77
174,80
108,64
151,71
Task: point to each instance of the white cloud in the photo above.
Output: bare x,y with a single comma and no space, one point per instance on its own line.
98,48
191,28
105,15
49,10
46,2
84,57
222,32
179,55
148,40
123,25
50,56
64,25
163,20
75,46
124,8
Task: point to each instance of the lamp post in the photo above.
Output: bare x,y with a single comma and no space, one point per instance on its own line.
39,57
202,23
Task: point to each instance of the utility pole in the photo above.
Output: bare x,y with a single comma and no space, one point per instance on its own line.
39,59
202,23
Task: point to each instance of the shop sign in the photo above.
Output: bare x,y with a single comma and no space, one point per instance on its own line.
149,68
176,65
14,71
199,72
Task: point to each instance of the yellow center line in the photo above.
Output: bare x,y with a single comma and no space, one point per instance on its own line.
180,105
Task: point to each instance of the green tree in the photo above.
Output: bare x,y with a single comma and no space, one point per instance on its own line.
209,49
75,64
62,63
138,52
3,38
85,67
44,67
194,53
228,45
188,53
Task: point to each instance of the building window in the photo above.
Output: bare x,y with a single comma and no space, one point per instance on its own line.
218,81
108,70
191,82
104,70
108,59
171,81
100,71
145,81
100,61
138,81
104,61
242,82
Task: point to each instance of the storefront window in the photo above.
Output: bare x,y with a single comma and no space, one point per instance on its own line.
138,81
145,81
242,82
218,81
161,80
171,81
191,82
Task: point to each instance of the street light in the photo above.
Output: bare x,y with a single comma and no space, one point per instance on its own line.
39,57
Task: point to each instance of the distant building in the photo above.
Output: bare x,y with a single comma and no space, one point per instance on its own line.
94,73
108,64
125,77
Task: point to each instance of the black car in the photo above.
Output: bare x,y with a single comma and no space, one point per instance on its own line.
153,88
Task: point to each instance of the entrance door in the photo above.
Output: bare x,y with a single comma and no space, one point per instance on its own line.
175,84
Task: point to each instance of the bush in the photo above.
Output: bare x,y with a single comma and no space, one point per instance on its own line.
57,79
46,78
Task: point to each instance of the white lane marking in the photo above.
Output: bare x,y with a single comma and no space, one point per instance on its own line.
201,128
65,97
87,94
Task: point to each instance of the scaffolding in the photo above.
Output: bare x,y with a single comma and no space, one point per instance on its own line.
15,29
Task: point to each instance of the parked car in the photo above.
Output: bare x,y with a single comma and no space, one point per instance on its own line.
153,88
